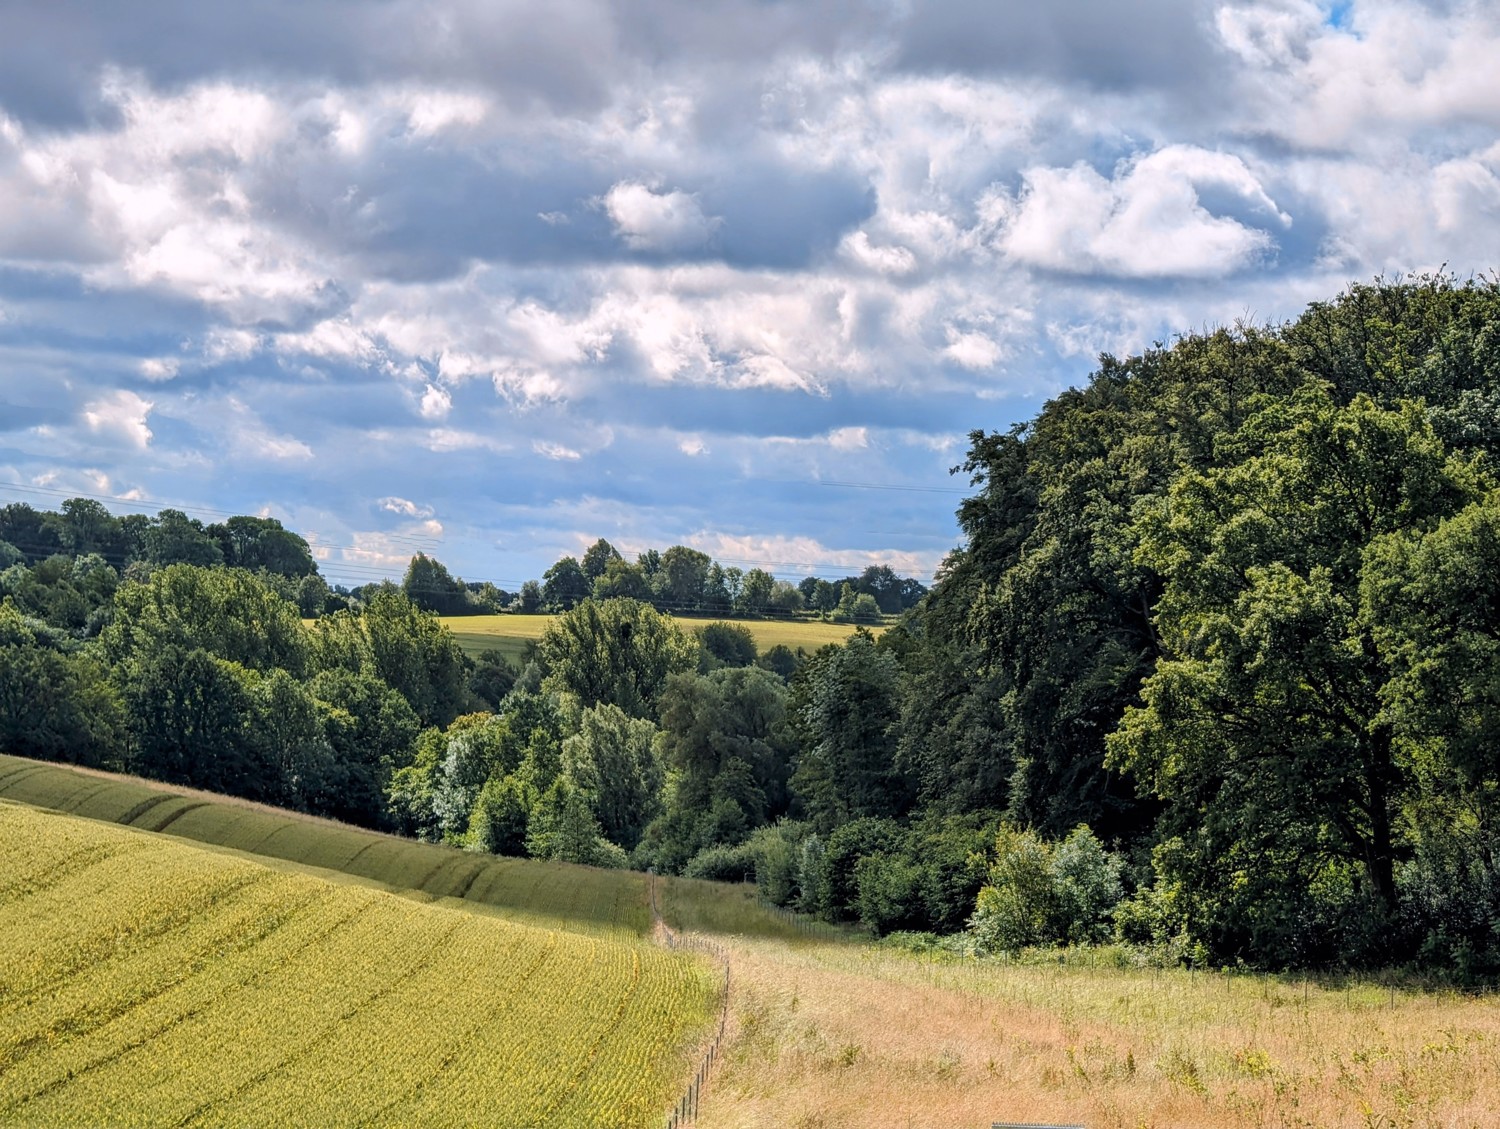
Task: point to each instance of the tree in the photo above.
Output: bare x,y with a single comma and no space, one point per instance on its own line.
844,706
613,761
728,644
681,580
55,706
257,543
403,646
229,613
1263,725
755,594
430,586
175,538
618,651
598,558
372,731
564,585
530,599
620,580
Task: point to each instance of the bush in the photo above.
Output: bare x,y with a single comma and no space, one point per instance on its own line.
721,863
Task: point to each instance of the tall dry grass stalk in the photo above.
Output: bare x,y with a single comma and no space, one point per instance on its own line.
828,1035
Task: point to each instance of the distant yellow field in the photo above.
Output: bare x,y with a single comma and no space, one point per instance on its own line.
150,981
509,634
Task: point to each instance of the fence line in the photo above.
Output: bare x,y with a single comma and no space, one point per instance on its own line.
686,1110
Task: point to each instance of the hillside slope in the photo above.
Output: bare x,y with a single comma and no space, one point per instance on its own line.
152,981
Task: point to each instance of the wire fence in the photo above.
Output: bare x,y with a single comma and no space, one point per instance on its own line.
685,1112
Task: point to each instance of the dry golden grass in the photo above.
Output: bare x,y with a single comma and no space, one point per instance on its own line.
828,1035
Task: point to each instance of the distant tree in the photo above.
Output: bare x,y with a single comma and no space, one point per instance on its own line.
786,598
682,579
492,678
621,581
728,644
175,538
844,704
618,651
614,763
229,613
430,586
598,558
564,585
372,731
29,531
755,593
257,543
780,660
55,706
84,526
530,600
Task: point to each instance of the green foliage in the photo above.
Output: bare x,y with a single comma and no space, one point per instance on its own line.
844,706
229,613
614,763
619,652
727,644
722,863
55,706
1040,894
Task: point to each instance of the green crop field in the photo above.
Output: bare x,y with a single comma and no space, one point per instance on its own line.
580,897
150,981
509,634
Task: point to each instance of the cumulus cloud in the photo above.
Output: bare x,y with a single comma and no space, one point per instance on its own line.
436,402
648,220
440,244
122,414
1149,221
405,507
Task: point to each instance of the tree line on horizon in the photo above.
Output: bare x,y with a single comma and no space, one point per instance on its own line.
1216,672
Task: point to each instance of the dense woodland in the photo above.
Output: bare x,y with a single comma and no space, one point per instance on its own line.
1215,673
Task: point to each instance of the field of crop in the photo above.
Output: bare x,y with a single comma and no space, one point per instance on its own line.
509,634
147,980
579,898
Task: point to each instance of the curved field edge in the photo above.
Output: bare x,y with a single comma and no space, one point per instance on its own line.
577,898
149,981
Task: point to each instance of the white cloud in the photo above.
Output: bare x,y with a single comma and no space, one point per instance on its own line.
122,413
802,556
247,435
159,368
405,507
883,260
554,450
444,439
436,402
972,350
693,446
849,438
657,221
1148,222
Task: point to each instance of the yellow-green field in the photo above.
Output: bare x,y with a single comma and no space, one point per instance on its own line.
509,634
150,981
581,897
120,960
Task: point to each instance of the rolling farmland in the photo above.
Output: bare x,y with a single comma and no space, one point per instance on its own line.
126,954
580,898
509,634
151,981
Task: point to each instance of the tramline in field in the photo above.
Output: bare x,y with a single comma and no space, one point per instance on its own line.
148,980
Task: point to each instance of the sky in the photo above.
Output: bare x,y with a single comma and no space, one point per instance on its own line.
491,279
